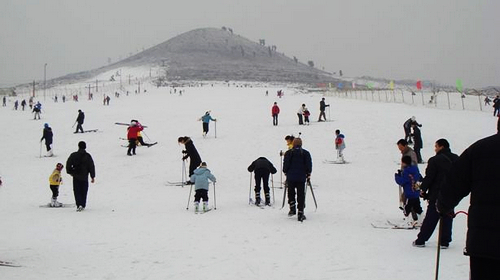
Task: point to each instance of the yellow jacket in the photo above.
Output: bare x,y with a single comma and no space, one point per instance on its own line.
55,178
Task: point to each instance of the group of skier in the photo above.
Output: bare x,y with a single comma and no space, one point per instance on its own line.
303,113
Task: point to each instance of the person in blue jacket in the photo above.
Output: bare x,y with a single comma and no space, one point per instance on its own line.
206,120
409,178
200,178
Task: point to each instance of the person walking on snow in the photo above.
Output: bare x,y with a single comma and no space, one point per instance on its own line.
48,136
191,153
408,178
275,110
206,121
80,165
79,120
322,107
200,179
339,146
55,180
132,131
262,167
297,166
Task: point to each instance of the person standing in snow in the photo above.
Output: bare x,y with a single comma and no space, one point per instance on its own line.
262,168
322,107
55,180
37,109
206,121
496,106
79,120
417,138
297,166
200,179
132,131
191,153
23,104
407,151
339,145
48,136
408,178
306,115
407,128
435,177
80,165
300,112
4,101
275,110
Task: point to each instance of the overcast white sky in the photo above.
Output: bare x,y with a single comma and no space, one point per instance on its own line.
426,39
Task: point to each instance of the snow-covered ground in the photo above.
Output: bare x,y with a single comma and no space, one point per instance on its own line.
136,227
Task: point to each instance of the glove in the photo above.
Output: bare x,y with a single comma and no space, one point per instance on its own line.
184,157
184,151
281,153
399,172
308,176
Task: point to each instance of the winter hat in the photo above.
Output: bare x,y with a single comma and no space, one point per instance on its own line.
133,123
59,166
203,164
45,125
82,145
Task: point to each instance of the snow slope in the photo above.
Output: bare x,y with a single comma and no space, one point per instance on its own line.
136,227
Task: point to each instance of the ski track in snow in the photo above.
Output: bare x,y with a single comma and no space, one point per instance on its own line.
135,227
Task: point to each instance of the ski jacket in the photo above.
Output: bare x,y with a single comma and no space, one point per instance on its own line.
307,113
417,138
301,110
322,106
80,118
436,172
408,177
297,164
80,164
133,131
275,110
262,163
191,153
47,135
411,153
200,178
339,142
207,118
476,173
55,178
37,107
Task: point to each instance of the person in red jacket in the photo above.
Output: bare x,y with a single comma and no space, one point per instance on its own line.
132,131
274,112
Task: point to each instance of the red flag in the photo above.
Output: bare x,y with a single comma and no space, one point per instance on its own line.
419,85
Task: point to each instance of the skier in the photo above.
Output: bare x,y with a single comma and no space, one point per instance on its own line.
48,136
435,177
37,109
408,178
80,165
417,137
30,102
191,153
16,104
322,107
487,101
297,166
79,120
23,104
4,101
55,180
496,106
262,167
206,120
132,131
407,128
300,112
200,178
306,115
275,110
339,146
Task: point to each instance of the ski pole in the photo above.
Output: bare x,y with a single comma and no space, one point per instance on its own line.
149,139
284,196
329,113
250,190
215,200
438,253
189,197
73,125
272,185
312,193
281,168
183,172
215,128
40,149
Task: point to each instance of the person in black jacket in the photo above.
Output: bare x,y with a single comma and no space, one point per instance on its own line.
322,107
476,173
191,153
297,165
435,175
262,167
79,120
418,143
47,135
80,165
407,128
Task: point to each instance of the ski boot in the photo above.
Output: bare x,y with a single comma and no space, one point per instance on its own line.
205,206
268,200
257,198
54,202
50,153
293,210
301,217
196,207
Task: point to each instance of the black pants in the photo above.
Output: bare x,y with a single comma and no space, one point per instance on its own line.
131,146
429,225
301,195
80,189
408,135
201,194
300,118
205,127
413,206
275,119
484,269
55,190
419,156
322,114
79,128
47,145
262,175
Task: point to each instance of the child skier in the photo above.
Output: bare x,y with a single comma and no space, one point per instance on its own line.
55,180
200,178
206,121
340,146
306,115
409,178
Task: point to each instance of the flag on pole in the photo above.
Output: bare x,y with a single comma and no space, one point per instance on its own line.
340,85
419,85
353,84
369,85
391,85
459,85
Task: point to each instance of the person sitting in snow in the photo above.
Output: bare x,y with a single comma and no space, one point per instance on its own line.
200,179
55,180
409,177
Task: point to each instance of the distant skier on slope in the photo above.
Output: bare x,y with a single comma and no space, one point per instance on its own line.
408,178
55,180
322,107
37,109
132,131
48,136
407,128
275,110
262,168
79,120
206,121
191,153
339,146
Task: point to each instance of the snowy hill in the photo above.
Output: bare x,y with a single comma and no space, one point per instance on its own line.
136,227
